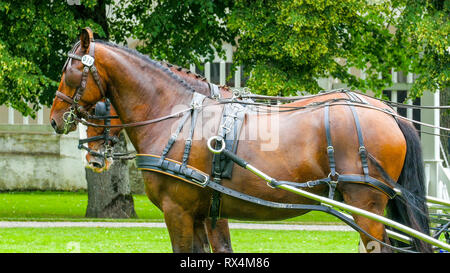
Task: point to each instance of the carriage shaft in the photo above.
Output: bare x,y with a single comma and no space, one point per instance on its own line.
370,215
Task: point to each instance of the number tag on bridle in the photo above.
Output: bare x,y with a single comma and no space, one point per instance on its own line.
87,60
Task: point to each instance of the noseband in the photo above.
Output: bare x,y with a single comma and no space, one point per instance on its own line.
77,110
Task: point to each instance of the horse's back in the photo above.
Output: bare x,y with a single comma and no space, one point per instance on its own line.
298,138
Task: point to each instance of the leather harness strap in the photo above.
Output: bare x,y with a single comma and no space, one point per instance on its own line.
366,179
229,130
330,148
172,167
362,149
215,92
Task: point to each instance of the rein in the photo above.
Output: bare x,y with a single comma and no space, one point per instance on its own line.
314,106
135,124
344,90
336,102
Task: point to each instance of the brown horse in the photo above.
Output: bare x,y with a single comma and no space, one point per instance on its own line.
219,236
293,148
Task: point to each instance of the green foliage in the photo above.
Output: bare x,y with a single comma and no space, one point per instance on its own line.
290,44
423,30
23,81
34,37
286,45
179,32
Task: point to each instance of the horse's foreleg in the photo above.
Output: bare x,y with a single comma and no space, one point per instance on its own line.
371,200
201,243
219,237
180,225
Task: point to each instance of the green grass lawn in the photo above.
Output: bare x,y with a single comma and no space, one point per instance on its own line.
71,206
61,206
156,240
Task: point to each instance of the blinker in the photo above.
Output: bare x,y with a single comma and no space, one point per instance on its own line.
101,109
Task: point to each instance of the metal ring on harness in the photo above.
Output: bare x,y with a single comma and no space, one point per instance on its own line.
216,138
69,119
68,116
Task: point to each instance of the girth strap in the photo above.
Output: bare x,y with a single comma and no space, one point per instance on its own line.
230,127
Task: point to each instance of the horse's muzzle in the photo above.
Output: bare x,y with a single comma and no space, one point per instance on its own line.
97,162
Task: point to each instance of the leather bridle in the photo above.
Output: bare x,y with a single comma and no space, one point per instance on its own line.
76,110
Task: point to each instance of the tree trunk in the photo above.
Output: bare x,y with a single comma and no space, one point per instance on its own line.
109,193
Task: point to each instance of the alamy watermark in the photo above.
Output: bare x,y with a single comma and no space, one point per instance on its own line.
261,128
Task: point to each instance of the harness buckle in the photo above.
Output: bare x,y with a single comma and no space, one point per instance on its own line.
196,105
332,184
204,181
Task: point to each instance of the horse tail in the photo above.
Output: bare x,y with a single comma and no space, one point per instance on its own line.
410,208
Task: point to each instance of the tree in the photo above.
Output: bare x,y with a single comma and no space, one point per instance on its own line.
109,192
423,30
289,44
34,39
180,32
286,45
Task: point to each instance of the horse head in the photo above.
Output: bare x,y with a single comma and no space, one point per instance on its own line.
80,88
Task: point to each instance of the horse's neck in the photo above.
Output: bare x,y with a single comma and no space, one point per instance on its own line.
143,91
198,83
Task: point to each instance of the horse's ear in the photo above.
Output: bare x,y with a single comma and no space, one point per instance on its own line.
86,37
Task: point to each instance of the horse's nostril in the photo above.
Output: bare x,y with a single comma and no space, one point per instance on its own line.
97,165
97,162
53,123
